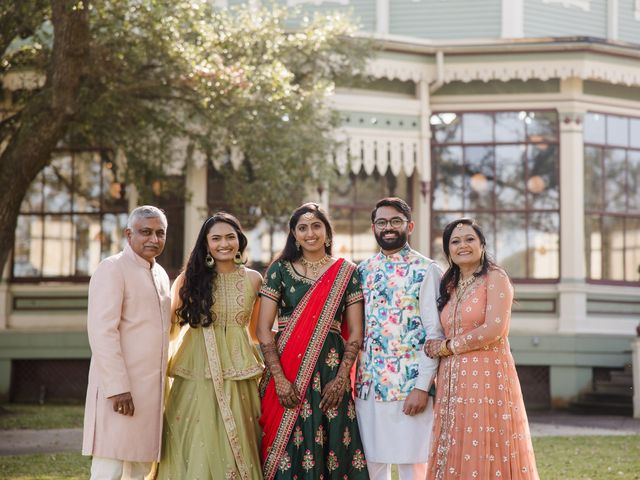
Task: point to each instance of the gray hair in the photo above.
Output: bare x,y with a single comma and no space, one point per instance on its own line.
146,211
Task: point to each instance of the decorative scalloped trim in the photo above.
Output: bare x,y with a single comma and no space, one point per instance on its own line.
380,150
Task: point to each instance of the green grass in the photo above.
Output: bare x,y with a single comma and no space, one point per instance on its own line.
39,417
588,458
558,458
62,466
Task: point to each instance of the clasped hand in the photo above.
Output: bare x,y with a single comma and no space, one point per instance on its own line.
333,392
432,348
287,392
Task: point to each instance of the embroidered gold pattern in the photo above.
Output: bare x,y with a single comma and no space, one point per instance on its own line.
310,358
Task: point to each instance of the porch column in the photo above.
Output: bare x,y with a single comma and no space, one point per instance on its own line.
572,292
422,182
195,209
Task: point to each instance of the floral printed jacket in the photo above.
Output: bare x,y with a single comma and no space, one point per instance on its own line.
400,292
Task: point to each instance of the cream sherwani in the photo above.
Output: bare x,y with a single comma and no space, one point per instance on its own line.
128,325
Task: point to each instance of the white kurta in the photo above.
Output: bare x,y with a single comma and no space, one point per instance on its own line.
388,435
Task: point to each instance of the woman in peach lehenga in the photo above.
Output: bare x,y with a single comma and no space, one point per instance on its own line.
480,429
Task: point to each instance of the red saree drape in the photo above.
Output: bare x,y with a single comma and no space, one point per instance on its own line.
300,344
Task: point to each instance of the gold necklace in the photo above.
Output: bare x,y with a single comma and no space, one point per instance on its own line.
463,284
314,267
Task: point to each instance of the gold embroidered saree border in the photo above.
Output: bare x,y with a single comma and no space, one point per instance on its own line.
325,321
227,415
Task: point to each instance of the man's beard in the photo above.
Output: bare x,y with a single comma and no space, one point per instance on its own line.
392,243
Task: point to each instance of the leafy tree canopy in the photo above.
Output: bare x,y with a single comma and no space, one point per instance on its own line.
145,76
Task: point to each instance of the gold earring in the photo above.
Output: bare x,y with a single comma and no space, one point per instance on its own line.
209,261
297,245
238,258
327,243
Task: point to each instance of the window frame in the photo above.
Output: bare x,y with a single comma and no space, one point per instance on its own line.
588,212
105,155
494,211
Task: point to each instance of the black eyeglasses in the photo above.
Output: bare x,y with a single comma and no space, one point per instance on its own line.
395,222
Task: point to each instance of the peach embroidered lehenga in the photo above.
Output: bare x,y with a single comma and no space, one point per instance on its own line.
480,426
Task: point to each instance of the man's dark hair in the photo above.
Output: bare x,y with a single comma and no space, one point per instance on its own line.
394,202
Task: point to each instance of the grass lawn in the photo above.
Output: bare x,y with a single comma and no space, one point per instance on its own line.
559,458
39,417
62,466
588,458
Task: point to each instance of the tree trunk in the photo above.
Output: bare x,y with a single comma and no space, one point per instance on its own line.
44,120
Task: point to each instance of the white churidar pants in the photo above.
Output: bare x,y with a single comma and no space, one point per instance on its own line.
112,469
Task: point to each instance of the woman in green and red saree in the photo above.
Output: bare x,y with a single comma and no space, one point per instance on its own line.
308,417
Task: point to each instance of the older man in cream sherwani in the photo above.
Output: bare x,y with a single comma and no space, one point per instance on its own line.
128,325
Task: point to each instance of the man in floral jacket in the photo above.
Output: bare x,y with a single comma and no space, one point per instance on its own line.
394,375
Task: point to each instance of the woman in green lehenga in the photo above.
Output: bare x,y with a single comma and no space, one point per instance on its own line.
211,428
310,430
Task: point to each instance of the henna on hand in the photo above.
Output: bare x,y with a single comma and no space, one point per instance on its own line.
288,395
432,348
334,390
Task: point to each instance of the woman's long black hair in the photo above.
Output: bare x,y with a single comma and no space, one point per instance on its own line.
452,275
196,293
290,251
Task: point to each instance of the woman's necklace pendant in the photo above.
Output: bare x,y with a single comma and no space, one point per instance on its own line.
314,267
462,286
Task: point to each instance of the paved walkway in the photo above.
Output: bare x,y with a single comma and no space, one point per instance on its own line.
543,424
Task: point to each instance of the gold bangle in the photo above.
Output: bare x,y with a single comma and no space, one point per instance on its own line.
444,350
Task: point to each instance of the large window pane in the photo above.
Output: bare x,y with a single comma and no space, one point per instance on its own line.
510,127
612,248
617,131
594,128
27,253
510,177
32,201
542,181
511,244
448,178
615,198
446,128
544,252
593,243
541,126
593,178
438,222
633,181
58,184
632,250
59,246
352,238
479,178
112,236
88,243
634,132
477,128
487,224
86,194
113,188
